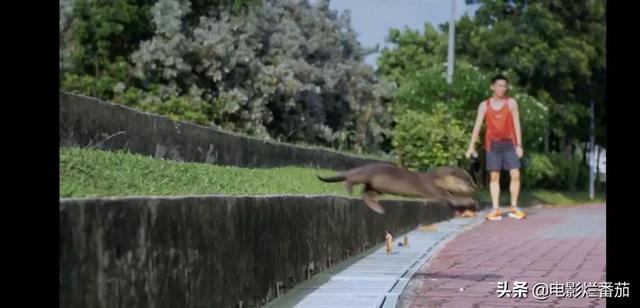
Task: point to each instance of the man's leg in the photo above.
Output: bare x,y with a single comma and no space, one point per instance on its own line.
514,187
494,187
512,163
494,164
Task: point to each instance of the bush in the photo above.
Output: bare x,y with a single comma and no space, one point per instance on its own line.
537,169
168,101
554,171
103,86
534,121
570,170
424,140
470,87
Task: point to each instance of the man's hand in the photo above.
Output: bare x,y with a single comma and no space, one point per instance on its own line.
482,109
519,151
470,152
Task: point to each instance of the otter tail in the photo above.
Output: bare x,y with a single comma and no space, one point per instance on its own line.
337,178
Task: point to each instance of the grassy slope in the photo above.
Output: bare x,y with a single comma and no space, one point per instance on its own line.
92,173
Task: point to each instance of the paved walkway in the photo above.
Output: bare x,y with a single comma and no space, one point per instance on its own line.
564,245
373,279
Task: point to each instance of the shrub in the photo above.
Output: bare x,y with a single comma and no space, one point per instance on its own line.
424,140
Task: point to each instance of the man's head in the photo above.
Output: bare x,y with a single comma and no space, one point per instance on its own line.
499,85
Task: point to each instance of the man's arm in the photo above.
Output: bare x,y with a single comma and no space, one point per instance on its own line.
516,121
476,129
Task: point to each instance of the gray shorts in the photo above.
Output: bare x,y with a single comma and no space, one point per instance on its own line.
502,156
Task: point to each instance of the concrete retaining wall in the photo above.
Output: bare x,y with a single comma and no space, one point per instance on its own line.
89,121
214,251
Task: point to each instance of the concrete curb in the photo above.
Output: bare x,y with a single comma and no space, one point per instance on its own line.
226,250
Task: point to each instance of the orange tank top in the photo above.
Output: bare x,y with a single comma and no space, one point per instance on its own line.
500,125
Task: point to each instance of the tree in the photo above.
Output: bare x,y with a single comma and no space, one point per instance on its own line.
286,70
97,32
554,49
413,51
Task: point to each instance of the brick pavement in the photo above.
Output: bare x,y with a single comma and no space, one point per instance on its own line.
551,245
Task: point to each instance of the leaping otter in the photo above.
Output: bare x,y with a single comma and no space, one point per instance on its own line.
450,184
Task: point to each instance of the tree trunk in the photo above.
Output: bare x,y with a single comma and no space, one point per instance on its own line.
598,167
585,152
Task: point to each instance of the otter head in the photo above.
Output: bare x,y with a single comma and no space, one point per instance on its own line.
453,184
454,180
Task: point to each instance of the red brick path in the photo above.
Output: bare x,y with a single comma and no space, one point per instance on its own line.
551,245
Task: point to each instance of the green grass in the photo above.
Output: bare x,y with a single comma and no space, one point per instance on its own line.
95,173
99,173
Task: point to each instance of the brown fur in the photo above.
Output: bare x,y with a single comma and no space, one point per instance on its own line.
450,184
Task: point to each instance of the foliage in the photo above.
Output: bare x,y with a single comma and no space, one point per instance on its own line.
95,32
555,171
286,70
425,140
554,48
538,169
470,87
412,52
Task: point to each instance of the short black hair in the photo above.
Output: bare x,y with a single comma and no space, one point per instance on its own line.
499,77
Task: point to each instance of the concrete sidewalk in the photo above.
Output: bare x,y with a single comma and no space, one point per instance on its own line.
373,278
563,245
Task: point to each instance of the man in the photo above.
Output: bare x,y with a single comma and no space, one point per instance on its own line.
503,144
